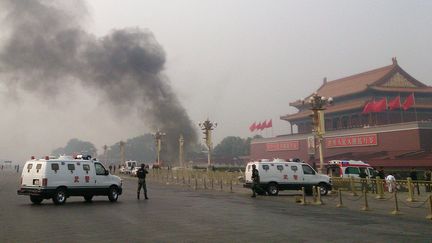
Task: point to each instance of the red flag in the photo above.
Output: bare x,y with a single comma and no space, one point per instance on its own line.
394,103
368,108
263,125
269,123
380,106
410,101
259,126
253,127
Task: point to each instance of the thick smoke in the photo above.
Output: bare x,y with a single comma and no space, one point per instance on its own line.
46,49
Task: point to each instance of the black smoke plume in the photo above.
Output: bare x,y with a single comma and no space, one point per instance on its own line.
46,48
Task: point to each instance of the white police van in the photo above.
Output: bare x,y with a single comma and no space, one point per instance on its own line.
60,178
278,175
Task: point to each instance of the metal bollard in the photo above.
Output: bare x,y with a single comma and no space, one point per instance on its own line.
352,185
366,204
231,186
221,185
430,208
396,210
205,183
319,201
314,194
410,190
184,181
340,204
196,183
380,188
303,197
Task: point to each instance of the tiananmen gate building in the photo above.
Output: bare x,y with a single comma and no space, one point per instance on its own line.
382,116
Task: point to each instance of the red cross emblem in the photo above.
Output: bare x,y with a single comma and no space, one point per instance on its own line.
295,177
285,177
87,179
76,179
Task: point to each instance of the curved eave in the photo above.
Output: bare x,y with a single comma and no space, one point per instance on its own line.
345,106
402,89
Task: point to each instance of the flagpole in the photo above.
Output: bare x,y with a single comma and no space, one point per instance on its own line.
415,109
387,112
401,110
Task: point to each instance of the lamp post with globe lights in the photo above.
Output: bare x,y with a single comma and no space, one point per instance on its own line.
207,126
181,150
318,105
158,139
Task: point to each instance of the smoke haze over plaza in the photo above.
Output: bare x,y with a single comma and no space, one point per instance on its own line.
234,62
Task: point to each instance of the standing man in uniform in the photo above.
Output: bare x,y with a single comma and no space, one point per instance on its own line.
255,180
141,174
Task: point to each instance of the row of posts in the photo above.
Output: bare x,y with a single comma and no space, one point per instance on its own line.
197,179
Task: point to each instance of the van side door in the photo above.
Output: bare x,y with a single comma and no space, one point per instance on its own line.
101,174
308,174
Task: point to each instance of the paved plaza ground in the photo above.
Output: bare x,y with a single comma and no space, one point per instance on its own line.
178,213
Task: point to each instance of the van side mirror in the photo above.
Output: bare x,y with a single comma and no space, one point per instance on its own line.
106,172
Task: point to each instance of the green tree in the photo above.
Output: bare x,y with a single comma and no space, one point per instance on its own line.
76,146
231,147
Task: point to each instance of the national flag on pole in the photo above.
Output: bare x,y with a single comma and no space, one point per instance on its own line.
394,103
269,123
368,108
410,101
253,127
258,127
263,125
380,106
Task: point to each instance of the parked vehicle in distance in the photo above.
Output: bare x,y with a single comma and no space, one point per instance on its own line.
134,171
278,175
128,166
349,168
66,176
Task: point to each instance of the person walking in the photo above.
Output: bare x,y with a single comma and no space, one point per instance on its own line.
114,166
255,180
363,181
391,183
427,176
413,175
141,174
381,174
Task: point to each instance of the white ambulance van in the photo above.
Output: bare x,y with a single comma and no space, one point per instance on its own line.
278,175
349,168
60,178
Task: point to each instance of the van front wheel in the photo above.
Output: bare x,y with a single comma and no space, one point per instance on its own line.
323,189
272,189
60,196
113,194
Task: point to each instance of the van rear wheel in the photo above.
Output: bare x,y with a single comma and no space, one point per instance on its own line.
113,194
272,189
59,196
36,199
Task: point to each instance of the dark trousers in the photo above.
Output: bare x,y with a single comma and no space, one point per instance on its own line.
142,184
254,188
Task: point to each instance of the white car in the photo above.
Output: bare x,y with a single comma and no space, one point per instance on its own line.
66,176
278,175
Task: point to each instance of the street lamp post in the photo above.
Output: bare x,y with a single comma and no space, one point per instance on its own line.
158,137
318,105
207,126
181,149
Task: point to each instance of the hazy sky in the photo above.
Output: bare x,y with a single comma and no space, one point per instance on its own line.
234,61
